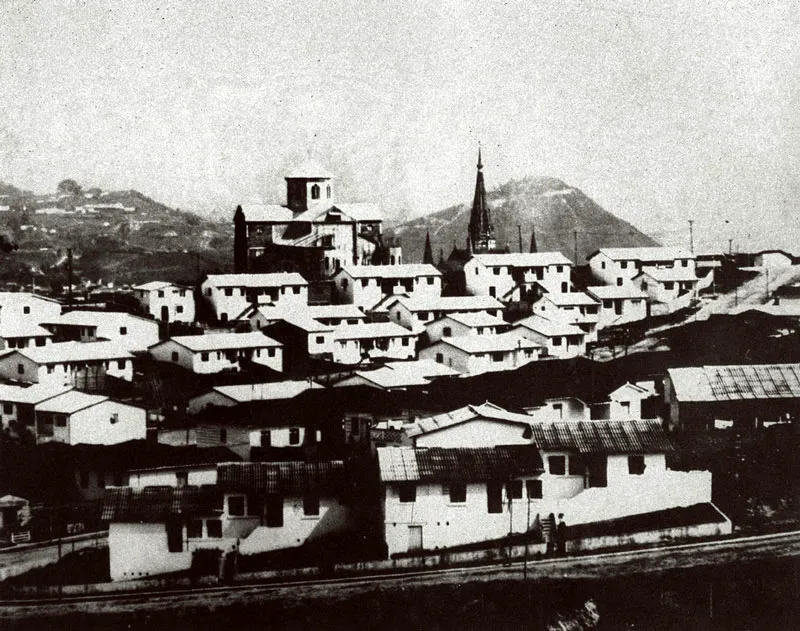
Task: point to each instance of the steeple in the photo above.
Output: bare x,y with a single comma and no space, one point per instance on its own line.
481,230
427,256
239,241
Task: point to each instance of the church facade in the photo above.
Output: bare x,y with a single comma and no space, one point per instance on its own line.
313,233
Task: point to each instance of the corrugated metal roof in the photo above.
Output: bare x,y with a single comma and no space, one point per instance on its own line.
281,477
158,503
462,415
732,383
407,464
609,437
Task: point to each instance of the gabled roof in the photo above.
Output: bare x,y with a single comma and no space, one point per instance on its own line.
153,504
279,279
476,319
468,413
370,330
570,299
633,391
61,352
266,213
96,318
365,211
409,464
22,328
615,292
406,270
608,437
286,478
645,255
335,311
32,394
736,383
667,274
222,341
523,259
488,343
304,322
19,296
70,402
448,303
309,170
548,328
404,374
243,393
155,285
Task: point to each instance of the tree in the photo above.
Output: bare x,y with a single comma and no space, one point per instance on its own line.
68,187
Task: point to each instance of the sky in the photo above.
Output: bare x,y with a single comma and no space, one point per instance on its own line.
661,112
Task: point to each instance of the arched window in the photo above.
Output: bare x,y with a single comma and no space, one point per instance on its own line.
315,192
328,191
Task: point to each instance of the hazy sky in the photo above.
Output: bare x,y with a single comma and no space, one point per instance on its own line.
661,113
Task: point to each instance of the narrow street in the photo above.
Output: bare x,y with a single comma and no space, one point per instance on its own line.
20,559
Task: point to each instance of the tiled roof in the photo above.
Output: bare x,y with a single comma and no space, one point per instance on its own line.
406,270
524,259
223,341
74,352
158,503
408,464
644,254
288,478
488,343
609,437
278,279
370,330
734,383
611,292
462,415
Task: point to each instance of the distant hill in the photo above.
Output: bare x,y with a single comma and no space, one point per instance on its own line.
556,210
123,237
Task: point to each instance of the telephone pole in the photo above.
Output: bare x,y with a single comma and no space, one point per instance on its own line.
575,245
691,236
69,276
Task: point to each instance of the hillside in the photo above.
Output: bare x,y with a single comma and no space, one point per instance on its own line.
554,208
123,237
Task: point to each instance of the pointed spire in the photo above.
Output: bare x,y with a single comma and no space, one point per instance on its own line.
481,230
533,247
427,256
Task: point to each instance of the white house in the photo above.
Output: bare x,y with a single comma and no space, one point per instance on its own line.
414,313
24,306
76,417
587,471
165,301
366,285
336,315
619,305
773,259
17,404
399,375
23,334
131,332
230,294
157,523
228,396
217,352
385,340
476,354
506,276
667,284
458,324
618,266
560,409
83,365
626,401
260,316
561,339
574,307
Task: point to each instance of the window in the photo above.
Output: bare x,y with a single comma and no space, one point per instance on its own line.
274,506
114,419
315,191
41,341
121,364
182,478
294,436
328,192
564,287
26,310
557,465
8,408
439,358
668,285
175,535
295,290
223,435
320,339
430,280
623,264
344,283
556,341
214,528
266,438
534,489
423,315
174,356
179,309
602,264
204,357
20,369
160,293
236,505
405,341
514,490
229,291
496,271
493,292
310,503
123,330
497,357
684,263
61,420
494,497
194,529
447,331
636,465
271,352
407,492
458,493
619,282
576,466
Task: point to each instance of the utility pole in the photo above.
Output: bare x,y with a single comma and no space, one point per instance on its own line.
519,229
69,276
691,236
575,245
730,246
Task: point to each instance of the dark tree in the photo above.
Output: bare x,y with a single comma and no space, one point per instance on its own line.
69,187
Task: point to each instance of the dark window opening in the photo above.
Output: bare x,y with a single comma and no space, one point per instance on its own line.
175,535
310,503
214,528
236,506
294,436
636,465
407,492
274,505
514,489
494,497
458,493
557,465
534,488
194,529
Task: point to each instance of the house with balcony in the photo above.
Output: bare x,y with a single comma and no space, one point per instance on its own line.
560,340
166,514
166,301
372,341
366,285
217,352
231,294
518,276
477,354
